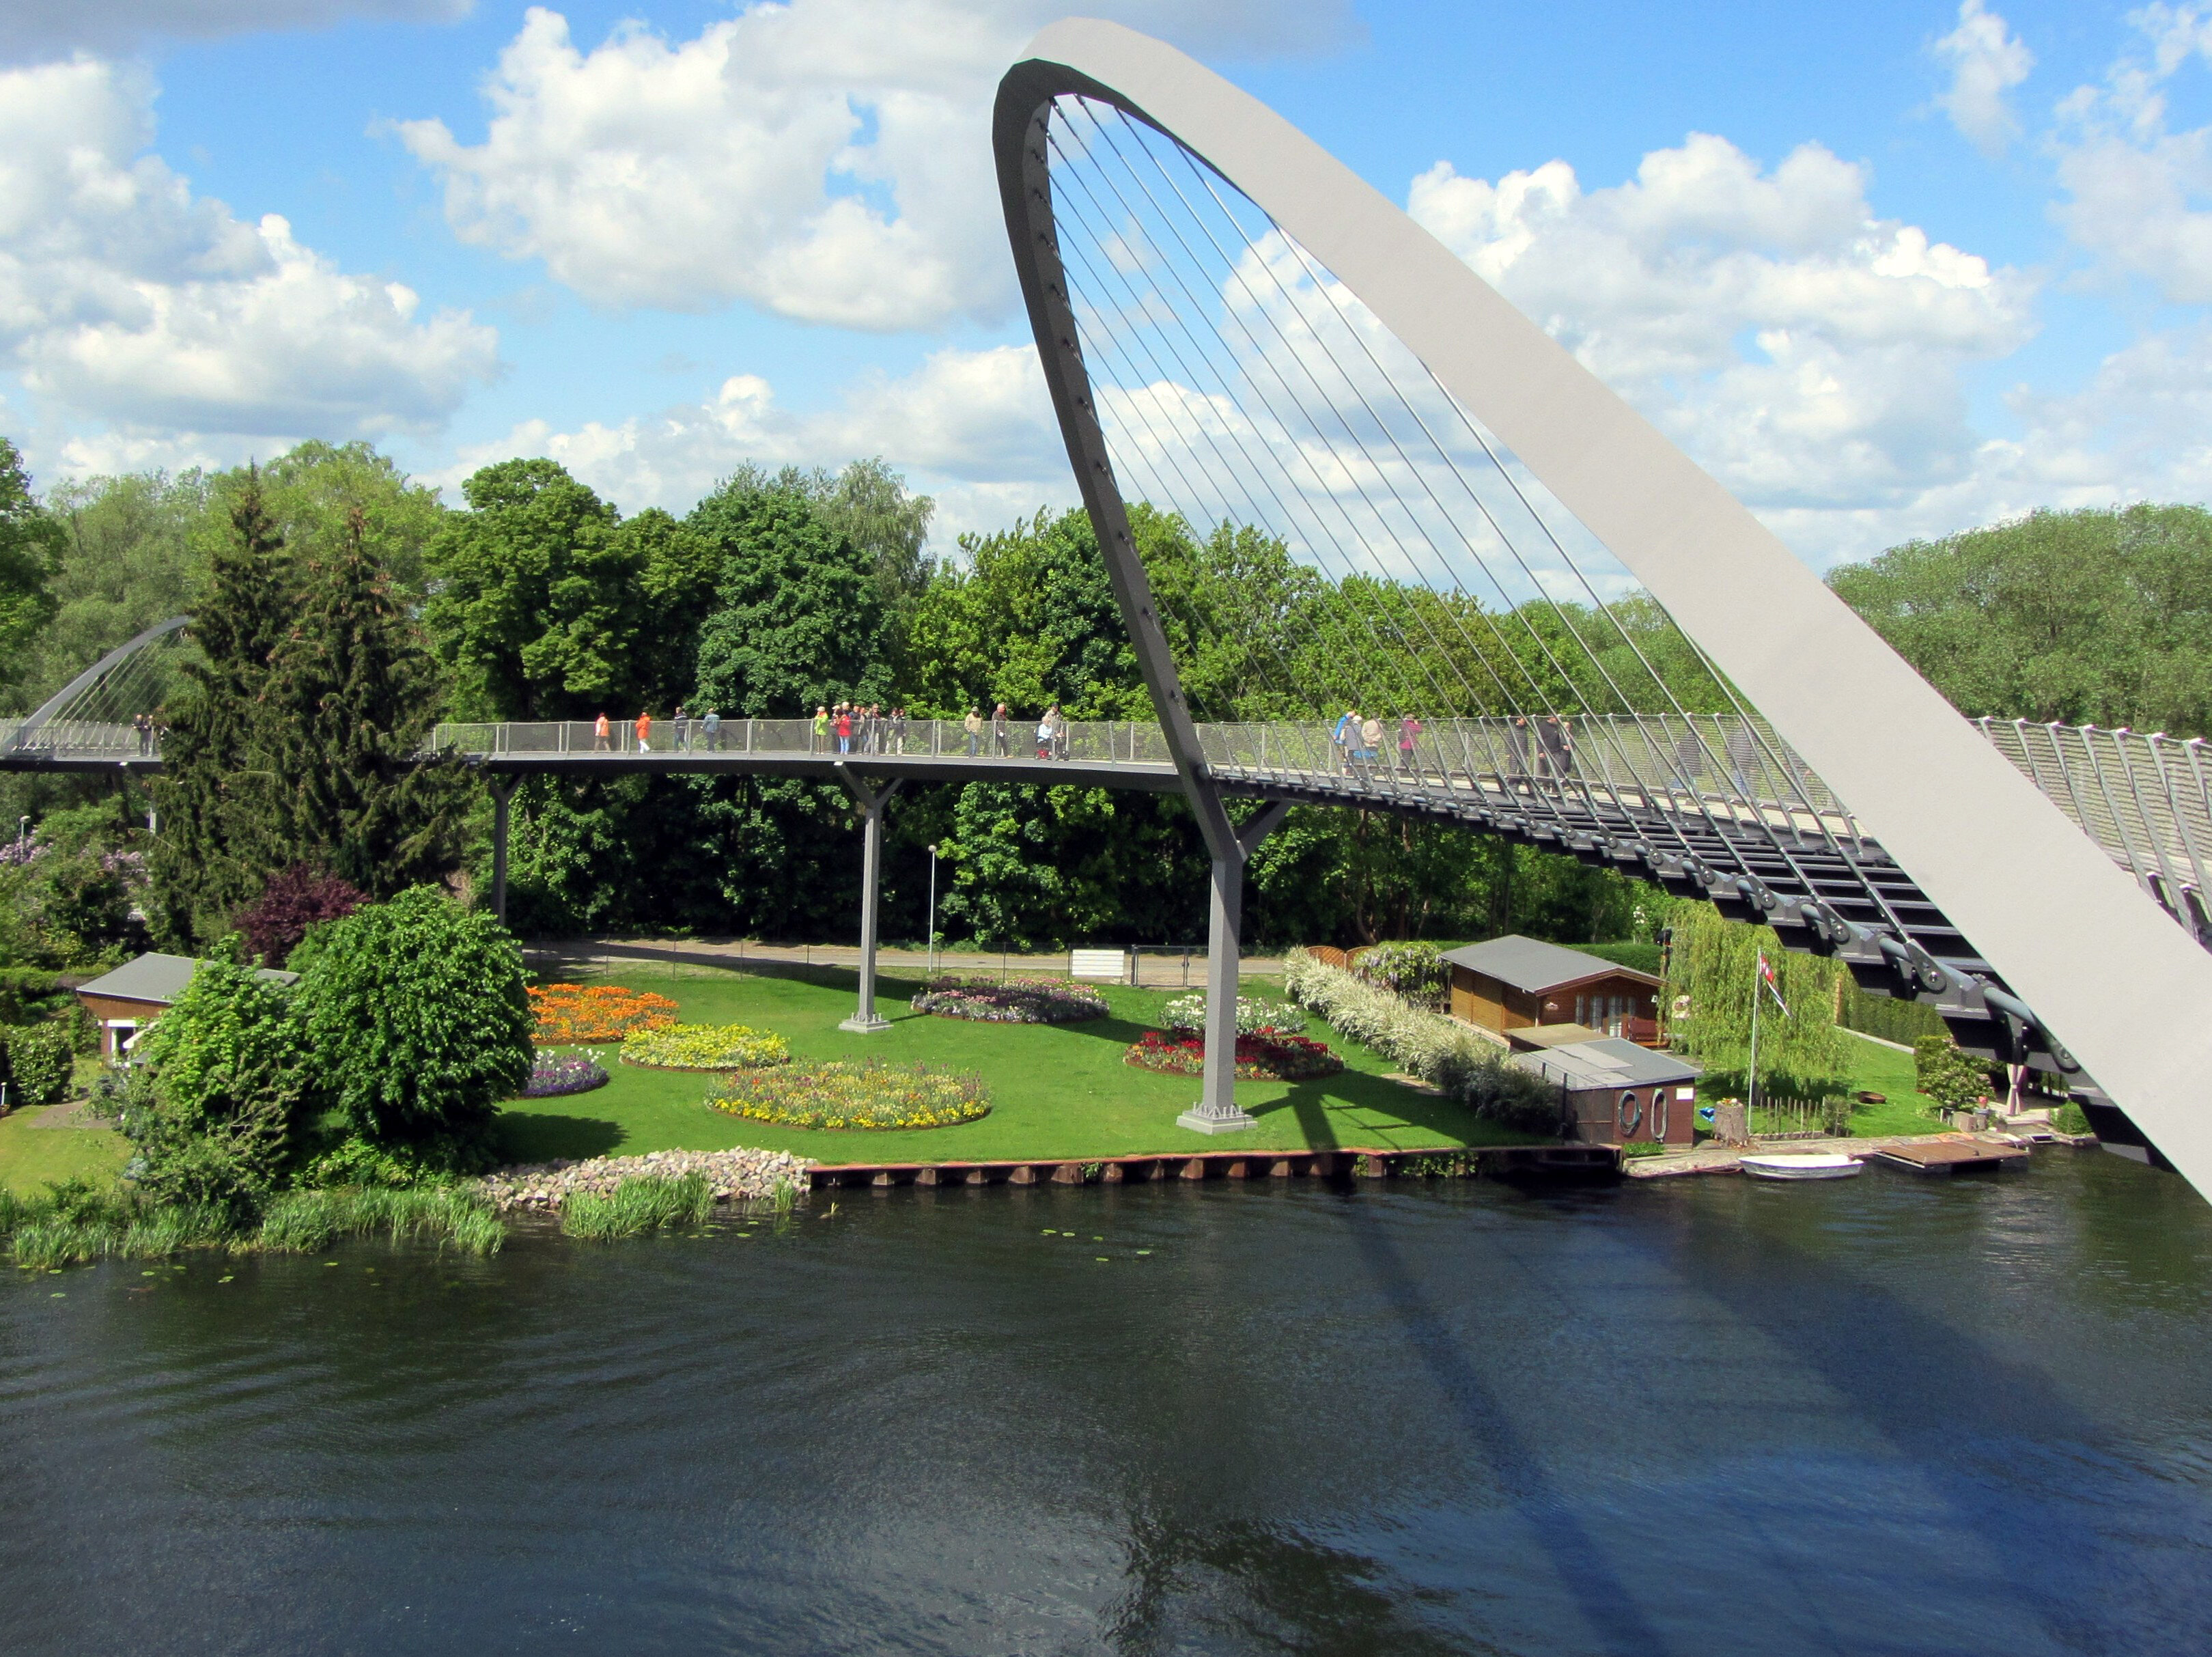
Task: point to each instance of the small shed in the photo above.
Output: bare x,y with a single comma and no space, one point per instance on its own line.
1615,1093
125,1001
1511,983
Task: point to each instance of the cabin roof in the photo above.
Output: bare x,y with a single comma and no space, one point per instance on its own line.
1607,1062
158,979
1532,964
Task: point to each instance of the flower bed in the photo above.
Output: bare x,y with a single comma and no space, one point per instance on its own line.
1259,1058
570,1013
555,1073
1254,1018
846,1094
704,1047
1018,1001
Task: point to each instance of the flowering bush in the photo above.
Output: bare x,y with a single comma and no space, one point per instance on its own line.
1018,1001
568,1013
555,1073
1265,1057
1415,970
846,1094
1254,1018
704,1047
1469,1068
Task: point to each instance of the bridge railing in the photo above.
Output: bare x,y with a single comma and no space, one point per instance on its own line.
1124,742
80,738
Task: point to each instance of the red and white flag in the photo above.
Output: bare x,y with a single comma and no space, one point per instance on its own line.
1766,978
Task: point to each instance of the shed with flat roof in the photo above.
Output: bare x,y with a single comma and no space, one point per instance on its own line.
1612,1092
125,1001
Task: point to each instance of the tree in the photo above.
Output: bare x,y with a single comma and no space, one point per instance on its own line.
315,491
295,898
2097,616
218,826
547,605
417,1024
350,697
214,1125
30,558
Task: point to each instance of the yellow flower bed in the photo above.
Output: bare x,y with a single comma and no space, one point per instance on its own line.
704,1047
844,1093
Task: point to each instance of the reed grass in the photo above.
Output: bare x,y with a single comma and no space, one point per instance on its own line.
303,1221
640,1203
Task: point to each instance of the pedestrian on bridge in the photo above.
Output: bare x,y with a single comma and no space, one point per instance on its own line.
973,725
143,724
683,727
844,728
1346,738
645,732
999,730
898,729
1557,738
1516,739
1370,740
601,734
1409,736
821,729
713,722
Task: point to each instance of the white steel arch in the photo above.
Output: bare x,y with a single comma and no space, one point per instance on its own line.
2104,968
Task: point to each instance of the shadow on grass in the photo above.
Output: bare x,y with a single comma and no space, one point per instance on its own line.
527,1137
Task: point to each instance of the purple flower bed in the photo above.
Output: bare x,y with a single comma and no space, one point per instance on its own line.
555,1073
1018,1001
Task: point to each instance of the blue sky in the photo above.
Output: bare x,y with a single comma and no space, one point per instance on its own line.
1926,266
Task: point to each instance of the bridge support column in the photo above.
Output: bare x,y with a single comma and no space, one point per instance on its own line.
502,791
865,1020
1216,1110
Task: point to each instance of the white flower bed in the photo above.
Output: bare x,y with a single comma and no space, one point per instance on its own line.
1469,1069
1254,1018
735,1176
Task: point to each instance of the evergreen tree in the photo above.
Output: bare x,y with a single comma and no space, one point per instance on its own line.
351,697
30,556
219,831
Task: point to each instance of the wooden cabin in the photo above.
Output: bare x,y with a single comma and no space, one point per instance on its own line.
125,1001
1516,983
1614,1092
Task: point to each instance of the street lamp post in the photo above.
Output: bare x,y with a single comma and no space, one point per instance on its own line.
23,833
930,951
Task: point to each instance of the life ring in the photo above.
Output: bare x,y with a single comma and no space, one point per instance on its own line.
1660,1114
1630,1115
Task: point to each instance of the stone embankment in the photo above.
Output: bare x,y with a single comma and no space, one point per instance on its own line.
736,1176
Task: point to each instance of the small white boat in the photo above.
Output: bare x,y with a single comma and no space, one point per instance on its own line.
1803,1165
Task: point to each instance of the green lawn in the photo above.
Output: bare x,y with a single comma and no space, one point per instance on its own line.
1056,1091
1875,1069
30,1155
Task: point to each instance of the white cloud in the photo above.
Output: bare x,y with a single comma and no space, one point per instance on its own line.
1806,350
2141,196
37,29
972,427
125,298
825,160
1987,61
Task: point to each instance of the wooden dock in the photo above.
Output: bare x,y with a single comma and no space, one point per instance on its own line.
1353,1162
1949,1155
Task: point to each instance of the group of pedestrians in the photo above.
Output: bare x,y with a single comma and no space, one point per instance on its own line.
1358,742
688,731
860,727
1051,736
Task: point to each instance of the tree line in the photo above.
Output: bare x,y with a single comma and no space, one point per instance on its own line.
342,608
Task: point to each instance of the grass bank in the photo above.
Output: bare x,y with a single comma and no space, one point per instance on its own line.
1056,1090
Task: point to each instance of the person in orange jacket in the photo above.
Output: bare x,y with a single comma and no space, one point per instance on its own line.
645,732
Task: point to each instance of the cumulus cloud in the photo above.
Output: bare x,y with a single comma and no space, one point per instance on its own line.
824,160
973,427
126,298
37,29
2140,195
1987,61
1805,349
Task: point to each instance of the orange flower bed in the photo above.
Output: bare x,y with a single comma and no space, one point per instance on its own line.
570,1012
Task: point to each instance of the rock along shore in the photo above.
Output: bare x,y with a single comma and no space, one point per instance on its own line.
736,1176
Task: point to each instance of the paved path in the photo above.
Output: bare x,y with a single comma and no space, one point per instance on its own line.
1716,1158
1161,971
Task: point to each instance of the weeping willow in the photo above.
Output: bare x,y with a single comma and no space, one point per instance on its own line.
1710,978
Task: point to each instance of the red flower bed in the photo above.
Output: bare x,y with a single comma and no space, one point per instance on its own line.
1259,1058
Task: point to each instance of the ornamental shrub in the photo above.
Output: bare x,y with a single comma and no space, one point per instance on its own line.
212,1103
1252,1017
844,1093
417,1019
1947,1074
704,1047
294,899
36,1061
1415,970
1469,1069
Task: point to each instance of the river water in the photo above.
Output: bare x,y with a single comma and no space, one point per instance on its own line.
1702,1417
